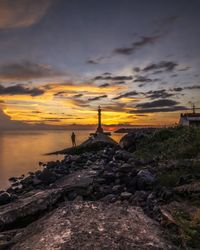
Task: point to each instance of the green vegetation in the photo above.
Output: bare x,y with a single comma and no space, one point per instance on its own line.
170,143
189,228
170,178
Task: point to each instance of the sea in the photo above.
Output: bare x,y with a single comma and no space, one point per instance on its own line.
21,151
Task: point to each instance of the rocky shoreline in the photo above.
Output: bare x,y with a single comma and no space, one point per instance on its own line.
110,182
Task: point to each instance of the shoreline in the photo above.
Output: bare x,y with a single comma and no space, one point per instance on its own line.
106,174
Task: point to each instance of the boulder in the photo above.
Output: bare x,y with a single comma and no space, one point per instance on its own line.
131,140
4,198
125,195
122,155
125,168
145,179
117,189
93,225
28,205
47,176
109,176
128,142
81,179
109,198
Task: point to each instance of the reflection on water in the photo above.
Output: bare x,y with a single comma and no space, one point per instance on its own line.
20,151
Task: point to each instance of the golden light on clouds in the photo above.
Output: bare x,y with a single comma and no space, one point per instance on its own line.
76,103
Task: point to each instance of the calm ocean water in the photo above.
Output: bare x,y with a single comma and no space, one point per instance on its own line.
21,151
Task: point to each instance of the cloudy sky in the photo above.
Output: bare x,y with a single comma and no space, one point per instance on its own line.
60,59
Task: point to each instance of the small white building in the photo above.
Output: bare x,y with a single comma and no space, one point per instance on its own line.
189,119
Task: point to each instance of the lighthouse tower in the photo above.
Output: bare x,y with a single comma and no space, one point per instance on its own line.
99,128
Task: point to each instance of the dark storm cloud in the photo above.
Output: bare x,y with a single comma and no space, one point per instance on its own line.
91,61
97,98
136,69
141,85
97,60
60,93
36,112
184,69
127,94
174,75
78,95
164,66
157,104
193,87
80,103
142,42
144,80
116,107
179,89
124,51
20,90
158,94
157,110
104,85
26,71
120,83
113,78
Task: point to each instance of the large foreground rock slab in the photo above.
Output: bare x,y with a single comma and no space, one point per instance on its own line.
78,180
92,225
27,205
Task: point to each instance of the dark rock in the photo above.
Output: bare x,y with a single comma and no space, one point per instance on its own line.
63,229
36,181
117,189
78,180
122,155
125,195
100,180
109,198
128,142
131,140
109,176
28,204
13,179
78,198
51,164
104,190
185,179
27,181
145,179
4,198
72,195
47,176
125,168
139,198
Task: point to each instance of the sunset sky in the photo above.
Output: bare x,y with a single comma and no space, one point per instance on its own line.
60,59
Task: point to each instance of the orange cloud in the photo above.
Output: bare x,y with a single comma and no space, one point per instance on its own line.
22,13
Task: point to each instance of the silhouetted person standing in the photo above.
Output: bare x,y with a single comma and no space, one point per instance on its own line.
73,137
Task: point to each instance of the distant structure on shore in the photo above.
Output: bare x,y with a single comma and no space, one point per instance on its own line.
190,119
99,130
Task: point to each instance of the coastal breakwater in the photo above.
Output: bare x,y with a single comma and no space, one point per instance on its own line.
108,192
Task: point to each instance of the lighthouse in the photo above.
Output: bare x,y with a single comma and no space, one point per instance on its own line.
99,128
